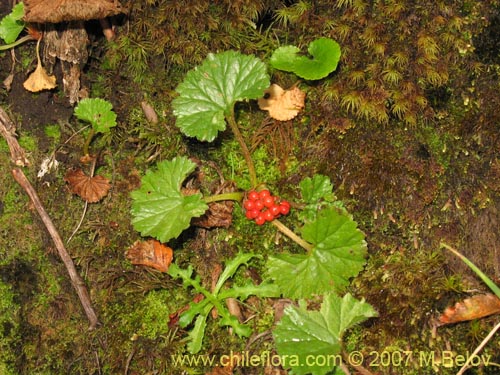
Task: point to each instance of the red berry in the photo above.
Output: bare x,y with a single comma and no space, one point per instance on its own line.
252,214
259,220
285,203
253,195
258,204
268,216
264,193
284,208
249,205
268,201
275,210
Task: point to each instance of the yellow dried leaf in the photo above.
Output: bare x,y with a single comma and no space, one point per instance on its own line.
39,80
283,105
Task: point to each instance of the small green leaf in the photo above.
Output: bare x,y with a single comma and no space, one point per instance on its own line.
197,333
338,255
325,53
98,112
317,193
159,209
303,334
12,25
208,93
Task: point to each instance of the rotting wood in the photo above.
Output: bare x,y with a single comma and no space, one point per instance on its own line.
8,131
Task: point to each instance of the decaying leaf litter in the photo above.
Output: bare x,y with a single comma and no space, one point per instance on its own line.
364,167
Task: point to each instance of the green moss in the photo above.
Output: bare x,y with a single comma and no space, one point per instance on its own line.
27,142
9,329
53,131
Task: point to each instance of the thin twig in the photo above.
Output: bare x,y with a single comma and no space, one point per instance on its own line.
76,280
478,349
8,131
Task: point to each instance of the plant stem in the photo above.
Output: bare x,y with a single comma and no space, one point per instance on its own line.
16,43
244,149
87,142
234,196
288,232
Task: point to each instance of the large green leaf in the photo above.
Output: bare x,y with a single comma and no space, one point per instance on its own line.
338,254
325,53
12,24
159,208
312,340
208,92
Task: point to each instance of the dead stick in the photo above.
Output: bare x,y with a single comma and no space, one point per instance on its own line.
76,280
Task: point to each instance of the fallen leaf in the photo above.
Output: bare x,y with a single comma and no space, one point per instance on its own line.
471,308
151,253
283,105
39,80
91,189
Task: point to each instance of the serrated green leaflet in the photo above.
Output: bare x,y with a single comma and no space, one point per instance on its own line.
338,255
159,209
325,53
98,112
304,335
208,92
12,25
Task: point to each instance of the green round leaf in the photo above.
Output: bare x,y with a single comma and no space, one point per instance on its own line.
209,91
325,53
12,25
159,209
302,334
338,255
98,112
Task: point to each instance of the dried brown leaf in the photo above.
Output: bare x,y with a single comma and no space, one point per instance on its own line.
151,253
91,189
283,105
471,308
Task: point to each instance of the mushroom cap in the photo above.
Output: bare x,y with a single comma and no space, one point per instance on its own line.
55,11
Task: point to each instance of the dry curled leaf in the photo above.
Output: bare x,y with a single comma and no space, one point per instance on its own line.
91,189
283,105
151,253
471,308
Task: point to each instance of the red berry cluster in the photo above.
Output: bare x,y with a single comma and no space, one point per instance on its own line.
262,206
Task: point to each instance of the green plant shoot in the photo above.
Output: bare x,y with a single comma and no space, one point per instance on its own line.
208,94
99,113
325,52
494,288
216,299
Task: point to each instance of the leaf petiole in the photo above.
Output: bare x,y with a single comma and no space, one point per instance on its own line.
233,196
288,232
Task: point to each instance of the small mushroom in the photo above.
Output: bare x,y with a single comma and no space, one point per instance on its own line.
68,41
